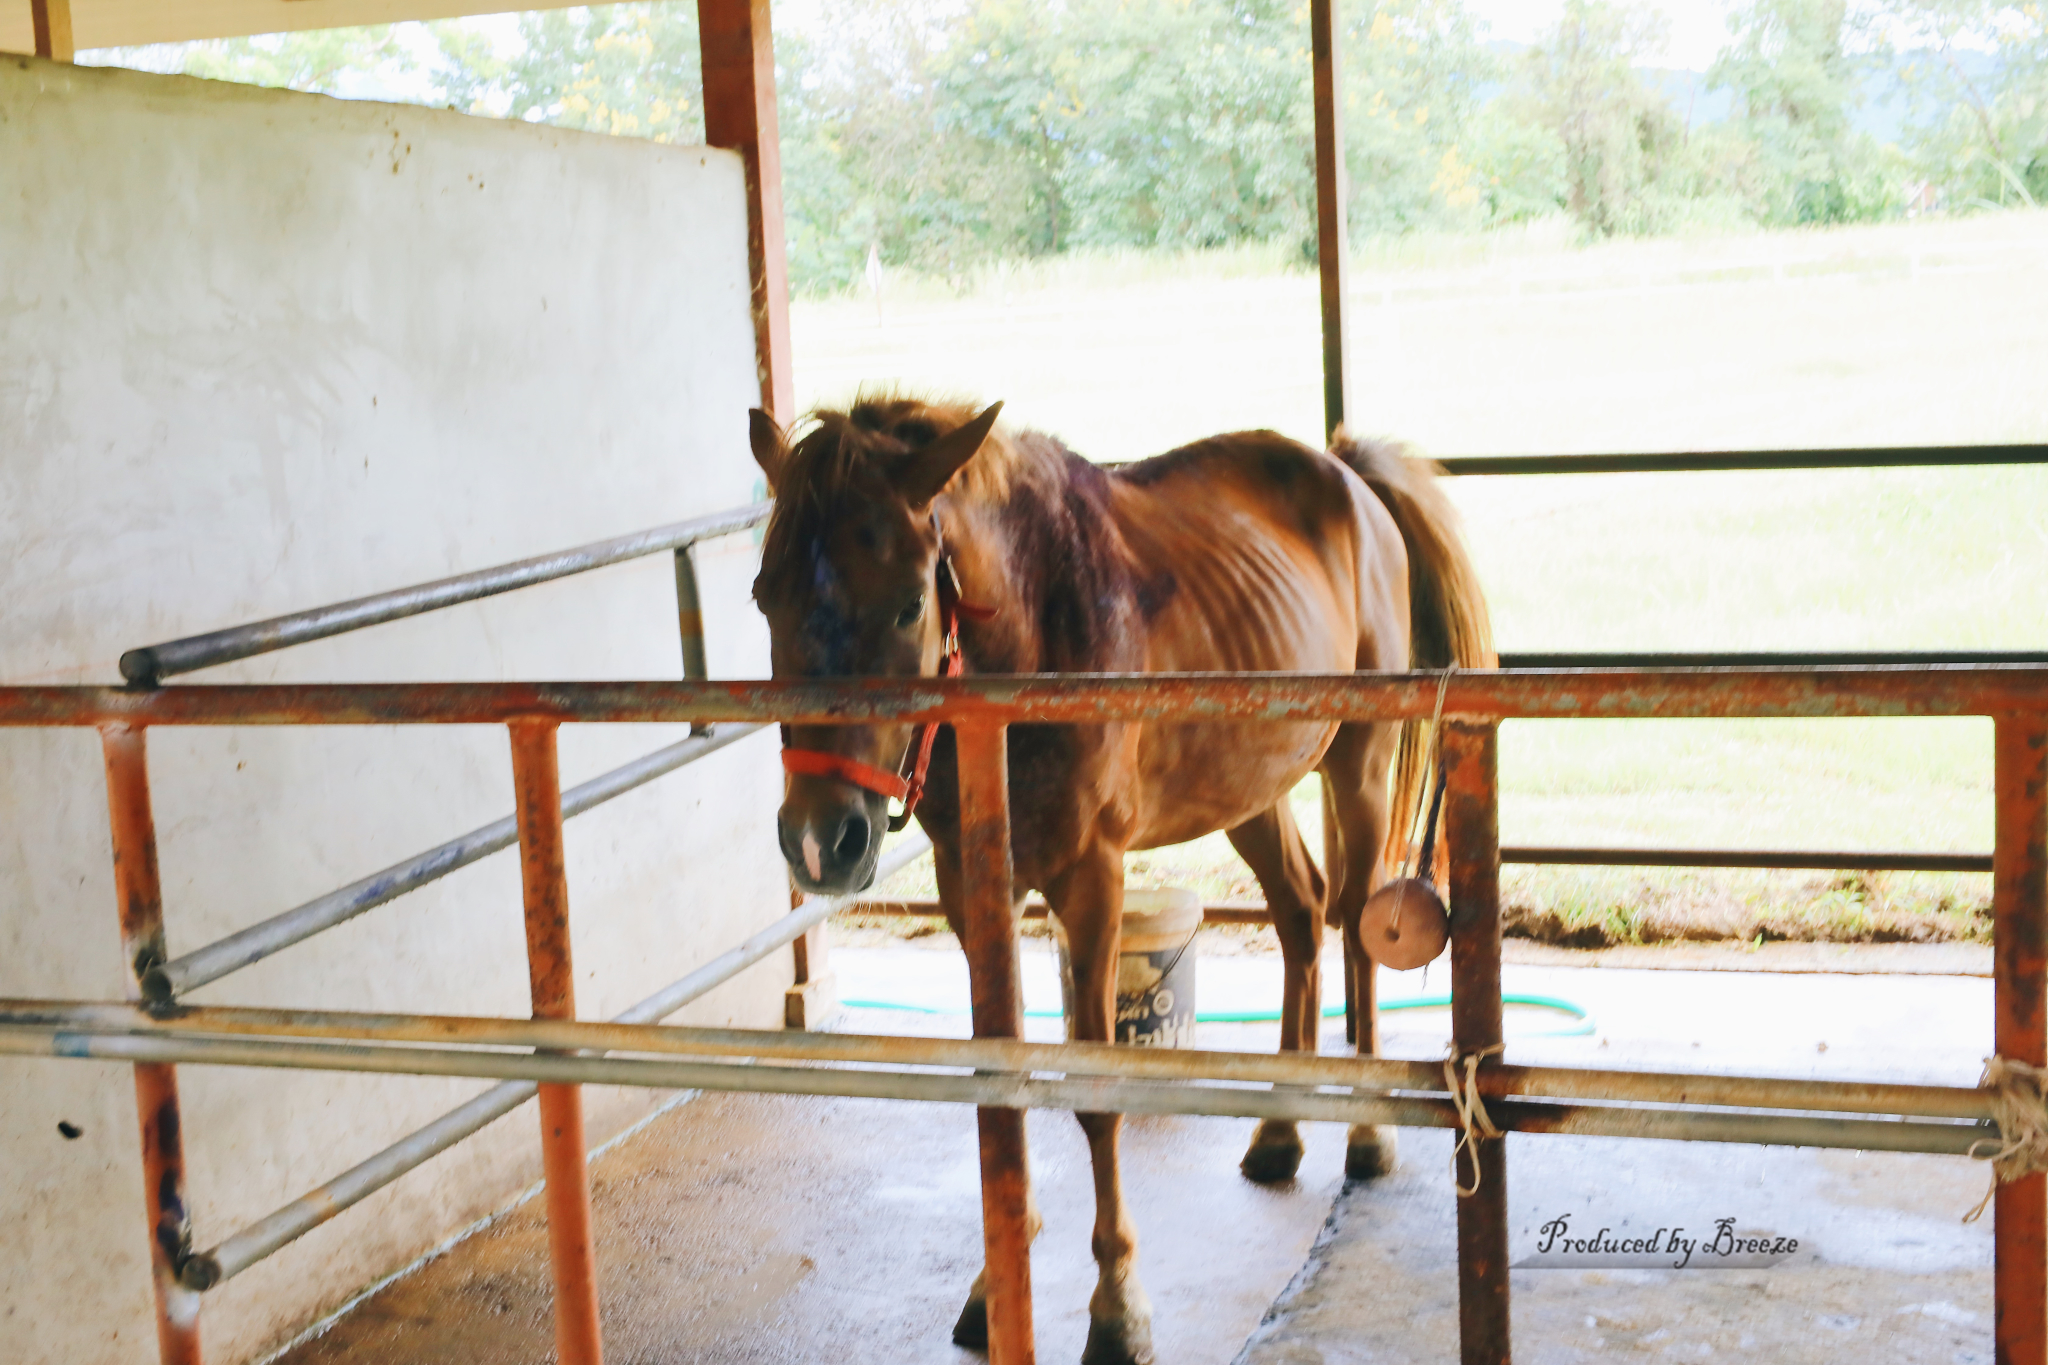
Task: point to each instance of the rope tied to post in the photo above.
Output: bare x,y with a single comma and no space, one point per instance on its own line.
1473,1120
2020,1111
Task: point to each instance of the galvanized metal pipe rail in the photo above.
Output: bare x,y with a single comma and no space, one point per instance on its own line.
246,947
203,1270
153,663
1357,1074
1008,1090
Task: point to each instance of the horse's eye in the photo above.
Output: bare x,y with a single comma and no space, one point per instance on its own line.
911,614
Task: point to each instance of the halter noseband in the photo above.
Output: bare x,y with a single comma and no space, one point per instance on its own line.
908,789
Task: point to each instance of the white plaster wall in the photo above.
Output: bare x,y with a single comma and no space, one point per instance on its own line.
261,351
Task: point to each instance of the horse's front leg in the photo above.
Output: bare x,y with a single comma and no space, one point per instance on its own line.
1089,900
970,1329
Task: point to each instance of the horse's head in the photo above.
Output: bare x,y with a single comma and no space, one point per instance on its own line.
852,581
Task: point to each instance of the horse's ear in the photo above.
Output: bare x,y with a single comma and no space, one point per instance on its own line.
927,472
771,452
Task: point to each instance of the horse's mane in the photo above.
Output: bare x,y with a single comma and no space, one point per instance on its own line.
858,448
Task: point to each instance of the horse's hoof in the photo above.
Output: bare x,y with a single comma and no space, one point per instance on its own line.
971,1331
1275,1154
1118,1341
1371,1152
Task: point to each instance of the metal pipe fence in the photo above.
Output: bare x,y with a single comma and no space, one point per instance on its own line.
1800,684
204,1269
998,1074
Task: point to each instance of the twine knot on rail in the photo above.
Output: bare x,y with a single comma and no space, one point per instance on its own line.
2020,1111
1473,1121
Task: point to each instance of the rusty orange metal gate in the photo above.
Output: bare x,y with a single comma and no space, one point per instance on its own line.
1555,1100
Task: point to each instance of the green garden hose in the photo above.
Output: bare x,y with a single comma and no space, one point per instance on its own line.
1582,1026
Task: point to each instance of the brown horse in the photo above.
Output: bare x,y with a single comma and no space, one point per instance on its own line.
1246,552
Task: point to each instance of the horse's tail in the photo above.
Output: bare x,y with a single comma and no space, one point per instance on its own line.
1447,619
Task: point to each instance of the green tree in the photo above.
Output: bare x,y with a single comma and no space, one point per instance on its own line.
1190,125
1415,73
628,70
1977,73
1615,140
1796,68
330,61
879,158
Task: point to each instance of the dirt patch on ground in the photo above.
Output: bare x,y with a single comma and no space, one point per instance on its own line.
1617,907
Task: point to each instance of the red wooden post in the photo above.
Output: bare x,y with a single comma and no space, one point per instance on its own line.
572,1248
998,998
2019,908
739,113
1472,833
1332,190
51,20
139,892
810,1002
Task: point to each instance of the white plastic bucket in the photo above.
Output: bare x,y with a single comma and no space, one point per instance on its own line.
1155,976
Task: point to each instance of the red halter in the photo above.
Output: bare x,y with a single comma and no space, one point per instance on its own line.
896,786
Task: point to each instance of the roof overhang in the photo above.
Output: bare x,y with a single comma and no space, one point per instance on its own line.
131,23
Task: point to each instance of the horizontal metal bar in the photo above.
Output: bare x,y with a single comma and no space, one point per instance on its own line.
202,1270
776,936
1011,1090
1098,1059
152,663
1779,659
1837,861
168,980
260,1239
1072,699
1701,461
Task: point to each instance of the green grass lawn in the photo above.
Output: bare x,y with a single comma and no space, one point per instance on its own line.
1929,332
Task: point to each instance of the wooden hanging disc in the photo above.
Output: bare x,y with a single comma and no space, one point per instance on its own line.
1411,937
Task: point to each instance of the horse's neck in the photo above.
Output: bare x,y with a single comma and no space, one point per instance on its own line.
1050,562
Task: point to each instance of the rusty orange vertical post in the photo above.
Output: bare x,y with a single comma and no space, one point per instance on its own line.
139,893
537,783
2019,909
1332,191
997,990
1472,830
738,53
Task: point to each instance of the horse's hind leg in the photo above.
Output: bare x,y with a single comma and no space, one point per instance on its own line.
1355,833
1088,898
971,1328
1272,847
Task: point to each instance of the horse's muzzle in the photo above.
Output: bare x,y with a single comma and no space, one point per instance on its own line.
832,846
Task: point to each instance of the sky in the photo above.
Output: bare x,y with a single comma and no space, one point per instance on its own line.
1698,28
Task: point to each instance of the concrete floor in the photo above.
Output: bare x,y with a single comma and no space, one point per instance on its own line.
740,1228
1886,1272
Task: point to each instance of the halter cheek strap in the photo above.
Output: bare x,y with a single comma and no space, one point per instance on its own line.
897,786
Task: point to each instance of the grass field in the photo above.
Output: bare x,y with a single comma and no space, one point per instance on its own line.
1931,332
